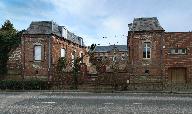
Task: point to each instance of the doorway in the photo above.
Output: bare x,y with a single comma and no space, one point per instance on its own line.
177,75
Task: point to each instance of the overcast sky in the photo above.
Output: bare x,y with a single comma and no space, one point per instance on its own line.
95,19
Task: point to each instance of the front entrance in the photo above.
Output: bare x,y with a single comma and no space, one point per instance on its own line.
177,75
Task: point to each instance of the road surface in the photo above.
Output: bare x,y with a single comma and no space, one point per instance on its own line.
93,103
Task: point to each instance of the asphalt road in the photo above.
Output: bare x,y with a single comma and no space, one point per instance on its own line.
93,103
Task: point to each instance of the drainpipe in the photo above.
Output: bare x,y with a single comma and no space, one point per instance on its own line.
132,35
49,57
49,51
161,56
23,56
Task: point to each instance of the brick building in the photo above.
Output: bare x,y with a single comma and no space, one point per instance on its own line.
156,53
14,64
42,45
112,55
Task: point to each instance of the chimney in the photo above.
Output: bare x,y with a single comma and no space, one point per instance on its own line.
130,26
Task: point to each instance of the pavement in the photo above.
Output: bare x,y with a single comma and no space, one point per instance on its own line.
94,103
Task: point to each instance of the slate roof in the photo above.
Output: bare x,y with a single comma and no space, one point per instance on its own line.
110,48
50,27
145,24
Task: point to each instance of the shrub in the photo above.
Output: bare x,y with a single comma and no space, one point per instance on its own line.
26,85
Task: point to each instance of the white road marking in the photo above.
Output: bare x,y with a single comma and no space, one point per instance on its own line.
49,102
137,103
108,103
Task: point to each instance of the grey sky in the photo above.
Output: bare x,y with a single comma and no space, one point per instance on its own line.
94,19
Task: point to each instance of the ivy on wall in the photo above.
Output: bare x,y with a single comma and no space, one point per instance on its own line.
10,38
61,64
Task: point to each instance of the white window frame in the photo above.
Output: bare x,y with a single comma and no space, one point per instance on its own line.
146,47
114,58
63,52
38,52
179,51
73,54
81,54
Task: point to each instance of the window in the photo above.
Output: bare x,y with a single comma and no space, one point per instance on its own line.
178,51
146,71
64,32
62,52
147,50
73,58
37,53
81,55
105,57
114,58
99,58
182,51
122,57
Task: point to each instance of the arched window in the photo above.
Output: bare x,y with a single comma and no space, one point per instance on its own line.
147,50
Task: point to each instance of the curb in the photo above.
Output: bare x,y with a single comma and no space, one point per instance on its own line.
96,91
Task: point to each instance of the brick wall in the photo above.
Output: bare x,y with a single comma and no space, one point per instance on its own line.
137,64
178,40
107,59
69,46
14,64
32,68
40,69
160,41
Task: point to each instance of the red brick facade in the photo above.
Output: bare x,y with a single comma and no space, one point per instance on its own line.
51,45
112,56
30,66
178,40
170,54
169,57
138,64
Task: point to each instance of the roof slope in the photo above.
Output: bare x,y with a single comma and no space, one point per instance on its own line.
50,27
43,27
145,24
110,48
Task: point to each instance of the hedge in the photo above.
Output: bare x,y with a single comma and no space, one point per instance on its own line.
23,85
